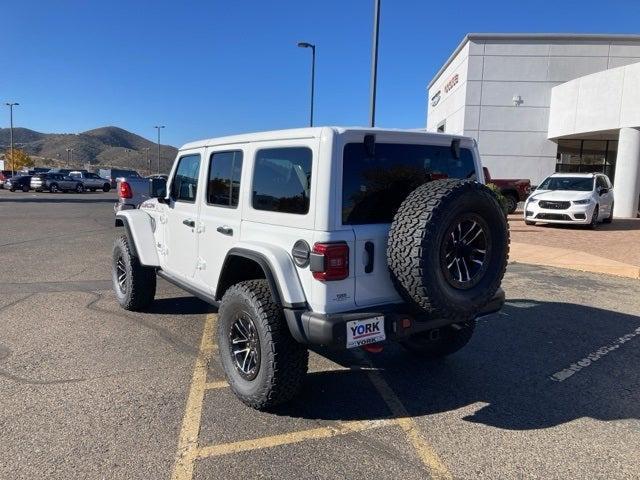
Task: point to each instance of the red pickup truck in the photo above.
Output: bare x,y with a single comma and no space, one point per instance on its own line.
514,190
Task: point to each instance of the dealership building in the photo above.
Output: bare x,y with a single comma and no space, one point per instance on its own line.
544,103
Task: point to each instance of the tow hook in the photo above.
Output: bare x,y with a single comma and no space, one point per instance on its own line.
373,348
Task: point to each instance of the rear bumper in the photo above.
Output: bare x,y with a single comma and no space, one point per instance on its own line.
331,329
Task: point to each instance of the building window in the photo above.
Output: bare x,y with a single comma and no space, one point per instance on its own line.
587,156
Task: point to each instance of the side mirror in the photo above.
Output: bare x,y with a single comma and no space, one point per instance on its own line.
603,191
158,188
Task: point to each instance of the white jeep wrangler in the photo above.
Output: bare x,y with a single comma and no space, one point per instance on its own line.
342,237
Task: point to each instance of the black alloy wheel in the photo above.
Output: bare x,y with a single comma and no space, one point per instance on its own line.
244,343
464,252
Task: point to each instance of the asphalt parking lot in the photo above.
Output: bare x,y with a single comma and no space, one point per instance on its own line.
548,388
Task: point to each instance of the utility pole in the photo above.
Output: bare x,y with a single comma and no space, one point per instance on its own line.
158,127
68,156
13,161
374,64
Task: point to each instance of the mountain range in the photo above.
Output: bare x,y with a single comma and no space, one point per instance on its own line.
101,147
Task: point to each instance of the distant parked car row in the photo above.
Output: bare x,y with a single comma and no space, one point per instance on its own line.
63,180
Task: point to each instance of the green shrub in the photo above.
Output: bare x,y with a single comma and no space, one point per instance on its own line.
501,198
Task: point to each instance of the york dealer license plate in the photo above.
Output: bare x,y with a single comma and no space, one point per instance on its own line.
363,332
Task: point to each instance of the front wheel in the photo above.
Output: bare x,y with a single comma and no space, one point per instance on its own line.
262,362
53,188
609,219
133,283
79,188
529,222
594,218
106,187
25,188
440,342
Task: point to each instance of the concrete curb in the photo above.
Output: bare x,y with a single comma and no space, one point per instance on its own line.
570,259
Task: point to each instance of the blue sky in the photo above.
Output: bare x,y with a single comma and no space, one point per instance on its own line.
211,68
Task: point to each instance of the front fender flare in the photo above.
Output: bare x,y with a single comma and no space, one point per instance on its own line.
139,230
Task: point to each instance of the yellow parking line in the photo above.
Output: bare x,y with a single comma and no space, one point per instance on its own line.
342,428
426,453
188,442
216,385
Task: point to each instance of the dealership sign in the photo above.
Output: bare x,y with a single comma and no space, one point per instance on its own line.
453,81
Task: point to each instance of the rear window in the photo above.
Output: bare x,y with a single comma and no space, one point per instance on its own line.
282,180
374,187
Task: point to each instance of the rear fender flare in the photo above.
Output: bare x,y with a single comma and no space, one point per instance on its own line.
279,271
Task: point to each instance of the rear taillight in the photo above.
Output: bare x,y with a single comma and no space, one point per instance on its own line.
124,190
330,261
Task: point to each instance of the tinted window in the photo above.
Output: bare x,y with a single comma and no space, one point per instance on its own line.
601,182
185,180
224,178
282,180
580,184
374,187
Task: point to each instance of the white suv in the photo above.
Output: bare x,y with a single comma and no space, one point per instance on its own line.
578,198
342,237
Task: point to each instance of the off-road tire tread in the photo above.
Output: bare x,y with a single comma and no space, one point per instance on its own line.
142,280
413,229
287,359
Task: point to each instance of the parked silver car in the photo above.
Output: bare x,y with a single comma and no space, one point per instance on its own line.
56,182
92,181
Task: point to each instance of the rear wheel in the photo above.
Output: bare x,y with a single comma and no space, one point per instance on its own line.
529,222
25,188
133,283
440,342
263,364
79,188
511,203
106,187
53,188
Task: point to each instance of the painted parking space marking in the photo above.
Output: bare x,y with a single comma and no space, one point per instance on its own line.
340,428
189,449
430,459
587,361
188,440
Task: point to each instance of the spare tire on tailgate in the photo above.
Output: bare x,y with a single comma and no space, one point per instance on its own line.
448,248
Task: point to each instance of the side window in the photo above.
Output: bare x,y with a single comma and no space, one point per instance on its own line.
185,182
282,180
223,188
601,183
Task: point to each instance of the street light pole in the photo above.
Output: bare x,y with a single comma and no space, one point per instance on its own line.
71,150
158,127
374,64
11,105
313,73
146,152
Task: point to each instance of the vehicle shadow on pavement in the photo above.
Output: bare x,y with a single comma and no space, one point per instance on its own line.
535,365
179,306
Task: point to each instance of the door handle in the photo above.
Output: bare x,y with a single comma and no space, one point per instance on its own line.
225,230
189,223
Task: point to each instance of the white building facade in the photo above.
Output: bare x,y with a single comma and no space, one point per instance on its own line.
539,103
